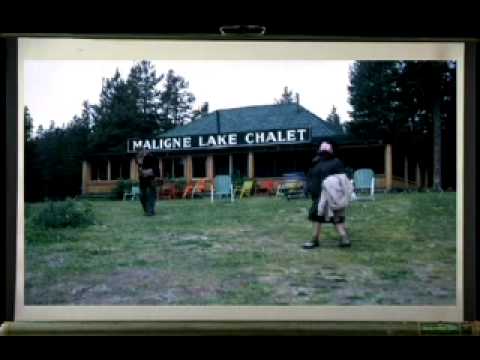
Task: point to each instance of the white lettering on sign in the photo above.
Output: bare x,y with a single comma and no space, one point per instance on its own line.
211,141
249,138
302,133
260,137
291,135
137,144
232,139
222,140
271,137
187,142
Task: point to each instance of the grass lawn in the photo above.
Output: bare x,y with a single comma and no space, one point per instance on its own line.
247,253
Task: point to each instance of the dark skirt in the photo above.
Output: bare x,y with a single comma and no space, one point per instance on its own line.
338,216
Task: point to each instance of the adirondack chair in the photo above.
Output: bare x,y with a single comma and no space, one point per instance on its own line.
292,185
200,188
188,190
223,187
291,189
267,187
364,181
133,194
247,188
168,191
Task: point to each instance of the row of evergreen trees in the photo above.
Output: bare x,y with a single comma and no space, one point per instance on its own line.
144,104
412,105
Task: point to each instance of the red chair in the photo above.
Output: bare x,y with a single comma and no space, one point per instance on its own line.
167,191
201,187
267,186
189,190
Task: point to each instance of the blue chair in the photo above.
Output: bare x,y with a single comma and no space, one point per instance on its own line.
223,187
133,194
364,182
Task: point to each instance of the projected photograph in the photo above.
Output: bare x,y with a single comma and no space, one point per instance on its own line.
240,182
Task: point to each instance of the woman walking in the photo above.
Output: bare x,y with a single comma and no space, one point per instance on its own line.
325,164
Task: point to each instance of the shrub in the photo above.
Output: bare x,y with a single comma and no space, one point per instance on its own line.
122,187
61,214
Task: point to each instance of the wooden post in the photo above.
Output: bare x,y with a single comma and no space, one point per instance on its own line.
85,176
405,173
418,176
109,170
210,174
189,168
133,170
230,164
388,167
160,167
251,165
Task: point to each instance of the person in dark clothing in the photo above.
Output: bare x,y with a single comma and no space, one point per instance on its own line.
148,172
324,164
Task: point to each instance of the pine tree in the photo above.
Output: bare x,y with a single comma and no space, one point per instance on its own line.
116,116
199,113
40,130
176,101
143,82
375,96
28,123
30,161
333,118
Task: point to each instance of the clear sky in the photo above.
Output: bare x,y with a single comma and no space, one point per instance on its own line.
55,90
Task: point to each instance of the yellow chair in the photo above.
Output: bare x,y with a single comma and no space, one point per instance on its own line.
247,188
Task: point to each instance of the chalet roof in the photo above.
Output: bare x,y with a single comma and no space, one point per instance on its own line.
258,118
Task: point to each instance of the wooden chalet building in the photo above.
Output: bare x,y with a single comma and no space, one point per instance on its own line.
261,142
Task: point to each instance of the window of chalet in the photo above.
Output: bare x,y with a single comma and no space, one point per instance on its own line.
173,168
240,164
199,165
120,169
221,165
99,170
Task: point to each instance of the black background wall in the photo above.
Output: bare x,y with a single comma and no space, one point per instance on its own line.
350,21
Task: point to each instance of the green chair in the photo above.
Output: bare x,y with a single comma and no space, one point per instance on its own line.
364,181
223,187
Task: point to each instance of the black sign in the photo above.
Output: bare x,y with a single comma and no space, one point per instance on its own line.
218,141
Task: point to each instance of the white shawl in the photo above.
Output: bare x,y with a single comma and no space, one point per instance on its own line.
337,191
